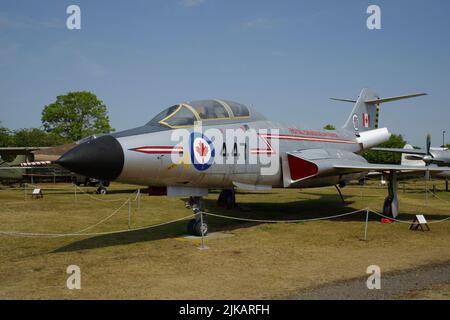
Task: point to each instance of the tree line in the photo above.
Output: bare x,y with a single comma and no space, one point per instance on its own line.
71,117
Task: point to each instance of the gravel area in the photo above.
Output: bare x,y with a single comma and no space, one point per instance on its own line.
393,285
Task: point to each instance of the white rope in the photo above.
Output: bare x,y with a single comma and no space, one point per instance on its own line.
104,219
284,221
435,195
96,198
404,221
56,235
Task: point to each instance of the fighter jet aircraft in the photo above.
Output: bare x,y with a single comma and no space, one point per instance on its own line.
194,146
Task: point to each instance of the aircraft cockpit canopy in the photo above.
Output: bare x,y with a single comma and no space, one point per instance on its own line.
185,114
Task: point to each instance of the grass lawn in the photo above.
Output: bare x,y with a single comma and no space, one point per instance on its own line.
244,260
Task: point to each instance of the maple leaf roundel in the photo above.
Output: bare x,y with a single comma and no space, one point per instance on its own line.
202,151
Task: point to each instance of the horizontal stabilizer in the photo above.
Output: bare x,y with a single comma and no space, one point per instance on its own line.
378,101
344,100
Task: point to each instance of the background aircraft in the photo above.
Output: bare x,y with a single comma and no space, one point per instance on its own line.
42,159
16,173
427,156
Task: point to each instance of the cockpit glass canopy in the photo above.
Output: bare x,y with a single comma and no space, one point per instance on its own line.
239,110
209,109
185,114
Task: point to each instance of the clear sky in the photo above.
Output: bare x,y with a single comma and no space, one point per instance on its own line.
284,57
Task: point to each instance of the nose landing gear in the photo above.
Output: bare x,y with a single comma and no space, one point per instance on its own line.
198,225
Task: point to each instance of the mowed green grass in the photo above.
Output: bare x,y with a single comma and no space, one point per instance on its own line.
244,260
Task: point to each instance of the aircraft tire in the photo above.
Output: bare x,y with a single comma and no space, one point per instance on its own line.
101,190
198,228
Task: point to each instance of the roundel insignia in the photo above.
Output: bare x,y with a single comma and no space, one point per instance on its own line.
202,151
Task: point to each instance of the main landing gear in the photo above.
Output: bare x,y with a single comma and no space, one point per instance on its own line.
227,199
390,206
198,225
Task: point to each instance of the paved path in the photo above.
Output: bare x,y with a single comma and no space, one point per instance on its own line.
392,285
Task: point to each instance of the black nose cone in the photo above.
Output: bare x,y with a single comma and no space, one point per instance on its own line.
100,158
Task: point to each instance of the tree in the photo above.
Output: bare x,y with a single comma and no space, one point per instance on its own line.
5,137
35,137
76,115
395,141
329,127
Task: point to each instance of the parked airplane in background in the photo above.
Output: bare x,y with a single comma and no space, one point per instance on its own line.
41,157
429,155
15,174
153,155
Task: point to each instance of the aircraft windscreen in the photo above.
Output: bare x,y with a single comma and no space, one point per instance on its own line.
181,117
163,114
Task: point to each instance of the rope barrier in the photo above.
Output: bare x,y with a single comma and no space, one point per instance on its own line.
59,235
99,199
104,219
285,221
404,221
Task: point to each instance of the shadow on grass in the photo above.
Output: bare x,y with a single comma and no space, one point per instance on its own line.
327,205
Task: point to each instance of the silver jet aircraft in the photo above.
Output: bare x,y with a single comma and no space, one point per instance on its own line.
219,151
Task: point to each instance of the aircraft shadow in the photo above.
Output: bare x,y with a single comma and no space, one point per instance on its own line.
327,205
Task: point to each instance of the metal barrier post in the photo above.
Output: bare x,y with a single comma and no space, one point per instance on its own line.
129,213
139,199
367,221
202,247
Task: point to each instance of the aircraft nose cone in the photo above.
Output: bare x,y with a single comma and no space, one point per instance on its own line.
100,158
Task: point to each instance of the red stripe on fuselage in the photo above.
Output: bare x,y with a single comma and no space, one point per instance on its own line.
269,150
158,149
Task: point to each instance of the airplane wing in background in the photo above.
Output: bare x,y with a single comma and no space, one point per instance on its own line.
19,150
401,150
370,167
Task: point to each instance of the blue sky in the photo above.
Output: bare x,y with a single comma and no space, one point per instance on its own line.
284,57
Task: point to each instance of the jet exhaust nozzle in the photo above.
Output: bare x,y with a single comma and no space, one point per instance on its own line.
373,138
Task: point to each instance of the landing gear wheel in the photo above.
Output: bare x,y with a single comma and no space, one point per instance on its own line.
101,190
199,227
227,199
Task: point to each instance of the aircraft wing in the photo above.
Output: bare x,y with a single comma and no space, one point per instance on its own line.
401,150
371,167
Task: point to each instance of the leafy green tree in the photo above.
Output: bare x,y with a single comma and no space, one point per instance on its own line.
5,137
35,137
76,115
395,141
329,127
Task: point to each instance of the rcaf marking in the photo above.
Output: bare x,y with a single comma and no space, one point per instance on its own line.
202,151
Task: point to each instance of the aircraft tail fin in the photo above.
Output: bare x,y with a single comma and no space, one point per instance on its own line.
366,111
18,160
